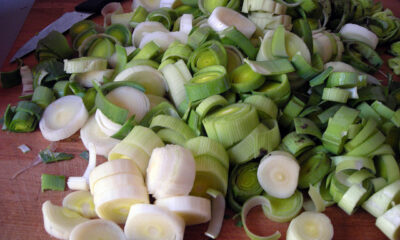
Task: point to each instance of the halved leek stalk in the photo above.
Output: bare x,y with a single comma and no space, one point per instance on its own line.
278,174
59,221
310,225
63,118
171,172
231,124
81,202
146,221
193,210
97,229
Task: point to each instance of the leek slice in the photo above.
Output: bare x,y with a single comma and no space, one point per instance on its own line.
199,36
283,210
382,200
277,88
247,206
139,15
234,37
296,144
231,124
147,51
210,173
209,104
161,15
205,146
146,27
120,32
81,27
243,185
84,64
273,67
307,126
313,167
266,108
151,79
164,108
177,51
291,110
310,225
102,48
259,142
388,168
97,229
208,54
206,82
86,79
175,124
81,202
388,222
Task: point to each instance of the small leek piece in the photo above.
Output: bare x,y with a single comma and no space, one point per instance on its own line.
47,156
84,64
53,182
217,213
24,148
11,78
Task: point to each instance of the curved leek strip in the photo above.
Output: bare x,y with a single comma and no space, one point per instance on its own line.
205,146
91,133
357,51
388,222
149,51
313,168
208,54
234,37
63,118
186,23
218,210
176,75
223,17
114,204
199,36
110,9
171,172
278,174
210,173
388,168
146,221
206,82
382,110
120,32
139,15
352,198
260,141
310,225
316,203
82,183
106,125
97,229
243,184
151,79
86,79
370,144
277,88
81,37
209,104
302,28
113,168
247,206
266,108
173,123
294,44
84,64
356,32
98,44
164,108
235,58
177,51
81,202
304,69
283,210
169,136
382,200
244,79
124,96
231,124
269,6
335,134
320,78
307,126
146,27
59,221
193,210
149,5
296,144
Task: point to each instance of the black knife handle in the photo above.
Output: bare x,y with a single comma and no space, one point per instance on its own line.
93,6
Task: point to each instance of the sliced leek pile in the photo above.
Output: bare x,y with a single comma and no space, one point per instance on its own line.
258,102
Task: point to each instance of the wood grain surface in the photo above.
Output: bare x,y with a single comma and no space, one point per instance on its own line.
21,198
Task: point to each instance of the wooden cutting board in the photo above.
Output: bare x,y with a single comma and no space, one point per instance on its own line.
21,198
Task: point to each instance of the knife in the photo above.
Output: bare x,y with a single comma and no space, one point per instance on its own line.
63,23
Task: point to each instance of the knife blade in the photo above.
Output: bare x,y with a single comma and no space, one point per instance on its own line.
63,23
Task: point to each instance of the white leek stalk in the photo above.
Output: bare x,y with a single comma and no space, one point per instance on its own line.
63,117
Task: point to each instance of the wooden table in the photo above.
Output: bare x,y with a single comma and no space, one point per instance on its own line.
21,198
